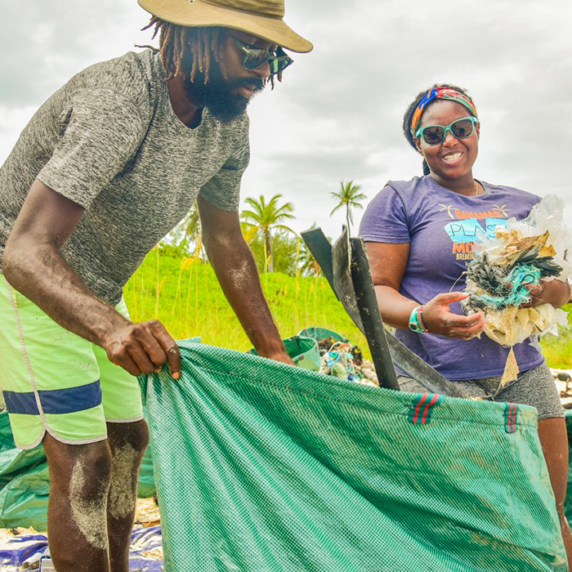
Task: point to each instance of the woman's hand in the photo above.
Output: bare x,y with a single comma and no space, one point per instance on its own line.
438,318
553,292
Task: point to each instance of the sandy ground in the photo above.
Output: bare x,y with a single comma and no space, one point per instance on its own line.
147,515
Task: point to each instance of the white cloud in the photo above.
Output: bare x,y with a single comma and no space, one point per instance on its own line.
338,113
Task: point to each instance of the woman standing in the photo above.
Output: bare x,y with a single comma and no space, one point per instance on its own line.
420,235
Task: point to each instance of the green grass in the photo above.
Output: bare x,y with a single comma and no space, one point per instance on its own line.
184,294
558,349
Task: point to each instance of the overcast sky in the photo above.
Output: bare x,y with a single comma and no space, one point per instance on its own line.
338,113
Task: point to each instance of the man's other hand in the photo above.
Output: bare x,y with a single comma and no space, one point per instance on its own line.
143,348
281,356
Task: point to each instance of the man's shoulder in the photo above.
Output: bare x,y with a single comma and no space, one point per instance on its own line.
132,76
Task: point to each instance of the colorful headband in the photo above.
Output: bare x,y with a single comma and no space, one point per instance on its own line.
441,93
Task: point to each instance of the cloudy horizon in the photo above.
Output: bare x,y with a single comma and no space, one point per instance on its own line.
337,115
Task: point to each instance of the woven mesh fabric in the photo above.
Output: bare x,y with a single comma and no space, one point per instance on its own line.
261,467
568,504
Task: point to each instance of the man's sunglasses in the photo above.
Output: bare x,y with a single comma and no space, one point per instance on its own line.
255,57
460,128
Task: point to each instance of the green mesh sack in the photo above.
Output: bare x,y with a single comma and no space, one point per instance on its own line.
303,351
262,467
321,333
568,504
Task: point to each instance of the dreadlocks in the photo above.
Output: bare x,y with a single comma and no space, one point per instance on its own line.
411,110
185,50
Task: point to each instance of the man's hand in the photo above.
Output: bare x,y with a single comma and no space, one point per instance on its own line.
281,356
33,264
143,348
553,292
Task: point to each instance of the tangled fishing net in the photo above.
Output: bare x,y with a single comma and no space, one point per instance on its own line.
519,256
345,361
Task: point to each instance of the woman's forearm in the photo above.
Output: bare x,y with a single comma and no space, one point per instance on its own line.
395,308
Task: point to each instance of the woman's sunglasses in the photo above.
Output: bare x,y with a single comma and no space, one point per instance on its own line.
460,128
255,57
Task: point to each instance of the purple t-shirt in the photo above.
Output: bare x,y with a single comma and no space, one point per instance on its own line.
441,227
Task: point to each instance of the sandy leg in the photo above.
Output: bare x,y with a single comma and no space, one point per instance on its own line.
128,442
77,526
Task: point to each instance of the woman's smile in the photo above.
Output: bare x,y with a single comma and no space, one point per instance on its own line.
452,158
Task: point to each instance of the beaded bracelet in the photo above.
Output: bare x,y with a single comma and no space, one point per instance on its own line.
420,320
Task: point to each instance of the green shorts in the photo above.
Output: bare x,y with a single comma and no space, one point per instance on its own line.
55,381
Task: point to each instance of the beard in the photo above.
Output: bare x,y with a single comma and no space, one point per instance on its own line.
220,95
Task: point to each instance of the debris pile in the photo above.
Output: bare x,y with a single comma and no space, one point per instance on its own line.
507,265
345,361
501,275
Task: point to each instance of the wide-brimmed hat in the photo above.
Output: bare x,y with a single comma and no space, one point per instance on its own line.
261,18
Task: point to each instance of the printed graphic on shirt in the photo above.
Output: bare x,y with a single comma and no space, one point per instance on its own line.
469,227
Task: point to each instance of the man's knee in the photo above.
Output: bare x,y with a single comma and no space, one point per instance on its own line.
92,470
135,436
90,475
87,467
128,443
140,438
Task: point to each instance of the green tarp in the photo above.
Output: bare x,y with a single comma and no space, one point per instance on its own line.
24,483
264,467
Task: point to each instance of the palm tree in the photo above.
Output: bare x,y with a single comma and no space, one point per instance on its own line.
268,217
349,196
188,230
191,224
307,264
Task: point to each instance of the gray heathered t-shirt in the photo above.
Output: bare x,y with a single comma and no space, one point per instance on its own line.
110,141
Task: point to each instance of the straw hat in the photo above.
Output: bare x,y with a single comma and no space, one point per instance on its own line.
261,18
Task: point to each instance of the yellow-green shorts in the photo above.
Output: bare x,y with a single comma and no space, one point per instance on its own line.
55,381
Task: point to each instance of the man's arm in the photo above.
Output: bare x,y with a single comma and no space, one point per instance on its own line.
33,265
236,271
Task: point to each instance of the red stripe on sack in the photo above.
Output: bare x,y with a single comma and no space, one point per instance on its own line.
509,418
419,407
428,407
514,418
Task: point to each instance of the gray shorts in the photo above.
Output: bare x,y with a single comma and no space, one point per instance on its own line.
534,387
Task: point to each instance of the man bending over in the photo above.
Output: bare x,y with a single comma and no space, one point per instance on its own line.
104,170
